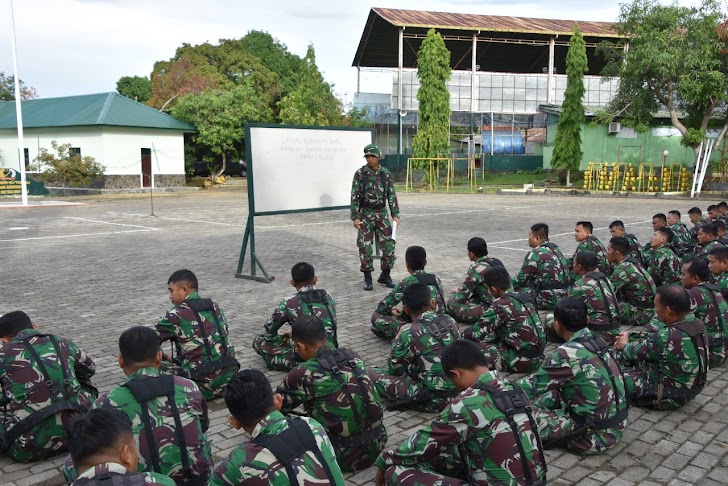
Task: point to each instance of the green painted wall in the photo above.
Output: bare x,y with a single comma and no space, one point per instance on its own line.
599,146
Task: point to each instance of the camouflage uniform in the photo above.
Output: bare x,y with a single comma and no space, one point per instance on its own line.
721,280
45,380
277,350
387,324
118,475
204,354
671,365
182,453
545,272
682,240
591,243
468,302
256,464
472,431
371,192
701,251
510,330
702,222
579,396
708,305
415,377
635,249
335,390
596,291
664,266
635,291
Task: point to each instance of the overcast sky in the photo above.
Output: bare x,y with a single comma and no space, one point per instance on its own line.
70,47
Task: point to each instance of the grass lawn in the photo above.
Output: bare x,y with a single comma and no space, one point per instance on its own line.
491,183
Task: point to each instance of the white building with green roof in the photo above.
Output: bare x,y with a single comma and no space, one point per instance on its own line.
137,145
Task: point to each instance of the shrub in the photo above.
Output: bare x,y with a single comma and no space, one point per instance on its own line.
60,167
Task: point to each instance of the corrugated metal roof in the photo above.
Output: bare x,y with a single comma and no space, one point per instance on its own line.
111,109
493,23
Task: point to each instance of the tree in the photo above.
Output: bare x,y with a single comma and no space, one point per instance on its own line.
138,88
674,62
275,56
70,170
7,89
433,70
220,117
312,101
567,146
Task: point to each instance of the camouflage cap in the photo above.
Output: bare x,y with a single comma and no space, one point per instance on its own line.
372,149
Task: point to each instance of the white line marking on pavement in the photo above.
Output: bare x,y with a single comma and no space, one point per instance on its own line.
306,224
506,248
18,228
115,224
179,219
77,236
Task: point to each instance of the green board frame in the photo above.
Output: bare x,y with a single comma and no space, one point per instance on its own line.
249,235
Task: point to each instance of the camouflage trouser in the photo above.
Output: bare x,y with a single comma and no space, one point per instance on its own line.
211,384
635,316
277,351
465,312
446,469
557,428
636,385
404,392
358,457
547,299
717,355
505,358
387,325
371,225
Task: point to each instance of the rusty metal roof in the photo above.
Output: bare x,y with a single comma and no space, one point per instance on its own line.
493,23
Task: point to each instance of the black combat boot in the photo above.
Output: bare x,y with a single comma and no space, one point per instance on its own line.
368,281
385,279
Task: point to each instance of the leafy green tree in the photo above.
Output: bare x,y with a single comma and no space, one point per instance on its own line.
138,88
7,89
275,56
674,62
59,166
312,101
220,117
567,146
433,71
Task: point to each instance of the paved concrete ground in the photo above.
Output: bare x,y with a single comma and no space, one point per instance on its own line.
89,272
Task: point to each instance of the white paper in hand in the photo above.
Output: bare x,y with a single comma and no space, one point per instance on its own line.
394,231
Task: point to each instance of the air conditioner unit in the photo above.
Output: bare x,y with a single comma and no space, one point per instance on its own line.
614,127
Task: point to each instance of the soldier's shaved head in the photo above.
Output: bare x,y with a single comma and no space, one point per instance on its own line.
98,435
675,297
497,277
183,276
587,259
309,330
12,323
139,344
541,230
416,258
697,268
249,397
571,313
587,225
478,246
416,297
462,354
302,273
620,244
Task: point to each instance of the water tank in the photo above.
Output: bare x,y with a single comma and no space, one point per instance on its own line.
504,143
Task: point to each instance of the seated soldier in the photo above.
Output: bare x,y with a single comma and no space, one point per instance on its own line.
46,380
707,305
487,435
707,240
334,388
718,266
670,364
663,264
199,332
659,220
578,393
696,217
634,287
168,413
713,212
616,229
276,349
722,229
545,271
681,234
510,332
414,377
468,302
387,319
283,451
102,445
594,289
587,241
723,210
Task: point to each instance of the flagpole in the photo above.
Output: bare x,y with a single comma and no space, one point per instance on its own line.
18,114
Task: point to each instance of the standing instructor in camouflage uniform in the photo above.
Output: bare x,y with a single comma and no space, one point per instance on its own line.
372,190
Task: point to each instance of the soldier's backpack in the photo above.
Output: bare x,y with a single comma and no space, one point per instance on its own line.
494,262
613,319
526,300
318,296
146,389
565,275
713,289
60,393
696,331
430,280
210,364
332,361
511,403
439,328
642,304
113,479
292,443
